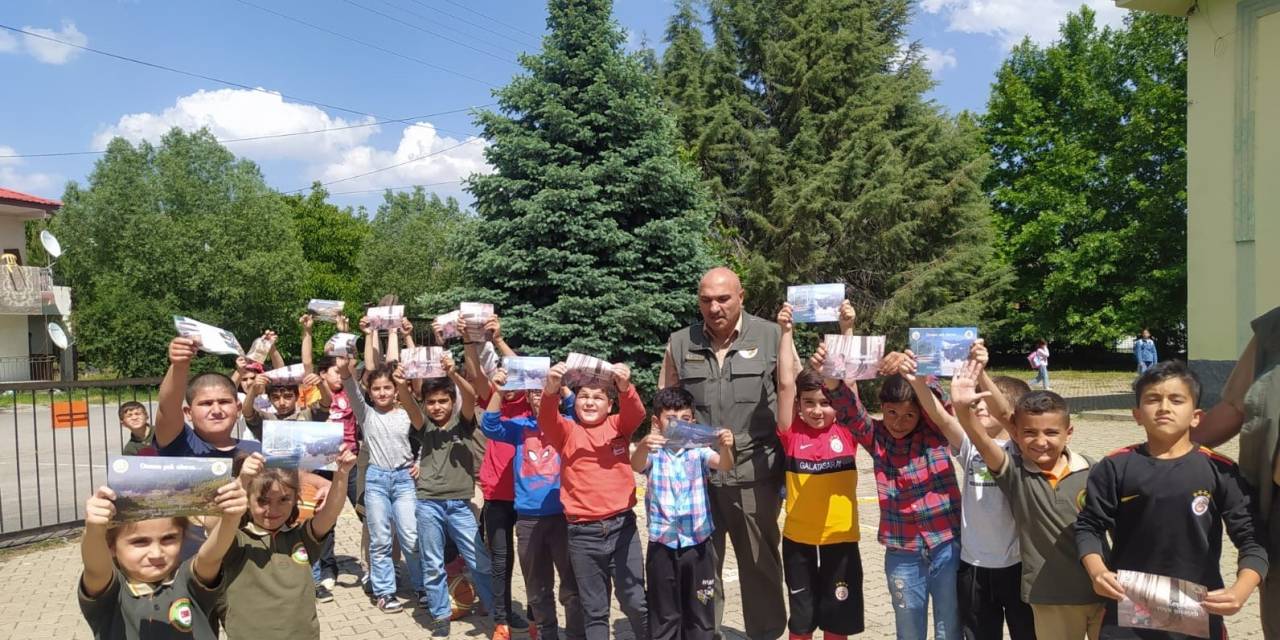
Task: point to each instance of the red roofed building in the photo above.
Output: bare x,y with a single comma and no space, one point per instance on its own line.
28,299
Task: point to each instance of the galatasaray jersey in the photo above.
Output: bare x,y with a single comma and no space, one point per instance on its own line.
821,484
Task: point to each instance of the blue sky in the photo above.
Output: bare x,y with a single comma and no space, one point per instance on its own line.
425,60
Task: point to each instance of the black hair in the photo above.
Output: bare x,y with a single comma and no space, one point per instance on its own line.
672,399
1167,370
276,388
436,385
808,380
209,379
326,363
897,389
1035,403
1012,388
132,404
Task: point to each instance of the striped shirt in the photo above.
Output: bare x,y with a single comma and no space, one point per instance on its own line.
915,482
676,497
822,482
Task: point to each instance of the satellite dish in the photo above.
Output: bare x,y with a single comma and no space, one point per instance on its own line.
58,336
50,244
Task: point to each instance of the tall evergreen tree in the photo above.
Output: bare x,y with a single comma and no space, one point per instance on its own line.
591,231
1089,139
828,164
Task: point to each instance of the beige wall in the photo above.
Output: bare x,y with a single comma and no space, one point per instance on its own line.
13,343
13,235
1233,146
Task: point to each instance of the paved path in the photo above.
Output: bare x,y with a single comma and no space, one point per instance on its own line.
40,599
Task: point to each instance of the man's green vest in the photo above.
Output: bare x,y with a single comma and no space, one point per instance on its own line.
740,395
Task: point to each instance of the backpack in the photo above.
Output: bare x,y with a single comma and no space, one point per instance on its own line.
1033,359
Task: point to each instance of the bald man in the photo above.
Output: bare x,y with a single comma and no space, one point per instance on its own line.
727,362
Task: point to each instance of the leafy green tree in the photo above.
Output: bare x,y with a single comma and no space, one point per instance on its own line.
828,164
412,246
1089,182
182,228
591,231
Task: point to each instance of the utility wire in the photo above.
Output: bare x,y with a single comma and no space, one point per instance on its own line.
429,20
481,27
400,188
426,31
390,167
491,18
408,121
367,44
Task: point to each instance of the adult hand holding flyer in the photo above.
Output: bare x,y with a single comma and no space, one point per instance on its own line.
941,351
689,435
154,487
422,362
211,338
385,318
852,357
525,372
815,302
291,375
475,314
341,344
1162,603
306,446
583,369
326,310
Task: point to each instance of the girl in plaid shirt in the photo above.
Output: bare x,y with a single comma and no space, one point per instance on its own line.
918,494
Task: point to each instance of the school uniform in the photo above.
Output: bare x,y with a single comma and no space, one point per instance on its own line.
179,607
269,589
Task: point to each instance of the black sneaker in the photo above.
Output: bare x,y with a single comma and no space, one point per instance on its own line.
323,594
440,628
389,604
367,584
516,622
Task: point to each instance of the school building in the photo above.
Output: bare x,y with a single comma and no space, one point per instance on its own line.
28,298
1233,171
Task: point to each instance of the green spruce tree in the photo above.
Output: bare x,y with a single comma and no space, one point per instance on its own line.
592,229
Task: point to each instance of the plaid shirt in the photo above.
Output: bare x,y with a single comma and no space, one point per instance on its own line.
915,482
676,497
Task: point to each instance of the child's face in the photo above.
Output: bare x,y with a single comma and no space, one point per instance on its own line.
534,398
816,410
900,418
332,378
1042,438
285,401
272,508
134,418
1166,410
659,422
439,406
213,410
147,551
592,406
383,393
988,421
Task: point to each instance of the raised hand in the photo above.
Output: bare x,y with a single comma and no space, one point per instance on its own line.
346,460
493,328
183,350
100,508
307,321
366,327
621,376
231,498
819,357
499,377
311,380
447,363
654,441
725,438
978,352
784,318
555,378
964,384
847,316
251,468
406,327
397,376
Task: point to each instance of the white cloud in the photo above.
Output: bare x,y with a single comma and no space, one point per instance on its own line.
240,113
938,61
50,52
443,159
1011,20
13,177
8,43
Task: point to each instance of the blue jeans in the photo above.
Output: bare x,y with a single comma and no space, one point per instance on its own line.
1143,365
914,578
1042,376
436,519
389,499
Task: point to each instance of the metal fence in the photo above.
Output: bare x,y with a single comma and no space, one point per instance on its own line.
36,367
55,440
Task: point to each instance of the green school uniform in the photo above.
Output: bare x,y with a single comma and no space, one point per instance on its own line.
269,589
127,610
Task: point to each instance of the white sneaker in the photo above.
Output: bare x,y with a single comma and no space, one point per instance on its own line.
329,583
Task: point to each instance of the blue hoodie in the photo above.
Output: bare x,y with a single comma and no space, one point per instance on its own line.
1144,349
537,463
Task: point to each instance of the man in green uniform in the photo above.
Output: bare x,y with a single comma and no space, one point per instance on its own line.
727,362
1250,408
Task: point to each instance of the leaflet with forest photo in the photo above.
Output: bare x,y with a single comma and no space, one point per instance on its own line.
689,435
475,314
1162,603
419,363
326,310
852,357
302,445
157,487
815,302
341,344
582,369
385,318
525,372
211,338
941,351
290,376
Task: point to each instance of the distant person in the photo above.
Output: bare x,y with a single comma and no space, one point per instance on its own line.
1144,351
1039,359
135,417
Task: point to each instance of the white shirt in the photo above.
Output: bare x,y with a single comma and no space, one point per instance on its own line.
988,532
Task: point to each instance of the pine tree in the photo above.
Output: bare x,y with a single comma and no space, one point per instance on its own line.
592,229
827,164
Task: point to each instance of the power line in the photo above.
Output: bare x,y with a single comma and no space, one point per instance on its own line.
478,26
492,19
407,121
426,31
365,44
400,188
390,167
429,20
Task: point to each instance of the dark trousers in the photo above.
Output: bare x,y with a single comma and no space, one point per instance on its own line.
499,520
990,598
542,543
748,514
326,566
606,553
682,586
825,587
